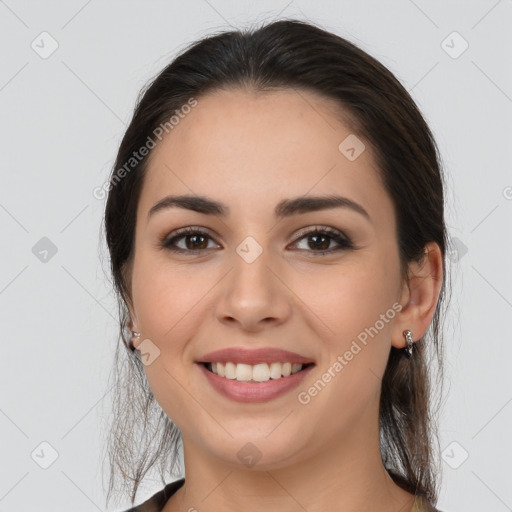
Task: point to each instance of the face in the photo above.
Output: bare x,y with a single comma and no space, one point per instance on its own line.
321,283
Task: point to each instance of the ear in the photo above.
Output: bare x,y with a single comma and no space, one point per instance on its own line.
419,296
133,323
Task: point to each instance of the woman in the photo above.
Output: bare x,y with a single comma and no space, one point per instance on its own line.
277,239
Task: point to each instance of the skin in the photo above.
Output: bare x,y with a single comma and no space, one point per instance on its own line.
251,150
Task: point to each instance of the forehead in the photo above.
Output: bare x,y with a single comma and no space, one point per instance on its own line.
246,146
287,123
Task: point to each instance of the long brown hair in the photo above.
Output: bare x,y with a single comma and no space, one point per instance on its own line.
299,55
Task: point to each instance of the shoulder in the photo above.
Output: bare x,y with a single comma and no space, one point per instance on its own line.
157,502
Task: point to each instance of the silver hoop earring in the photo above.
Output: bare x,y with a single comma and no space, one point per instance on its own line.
408,339
135,335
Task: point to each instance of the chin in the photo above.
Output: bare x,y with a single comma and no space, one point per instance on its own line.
258,453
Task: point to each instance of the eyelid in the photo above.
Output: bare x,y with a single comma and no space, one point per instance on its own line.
318,228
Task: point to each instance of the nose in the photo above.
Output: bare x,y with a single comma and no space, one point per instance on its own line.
253,295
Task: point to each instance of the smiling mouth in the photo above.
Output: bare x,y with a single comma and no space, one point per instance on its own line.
261,372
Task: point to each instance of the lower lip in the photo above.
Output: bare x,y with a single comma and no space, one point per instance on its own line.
254,391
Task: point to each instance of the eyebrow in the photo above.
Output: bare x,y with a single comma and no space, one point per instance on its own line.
284,208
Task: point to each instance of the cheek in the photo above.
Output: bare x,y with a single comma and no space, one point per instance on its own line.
168,306
165,296
353,307
353,313
348,298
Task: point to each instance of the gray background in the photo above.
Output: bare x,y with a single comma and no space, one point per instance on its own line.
62,117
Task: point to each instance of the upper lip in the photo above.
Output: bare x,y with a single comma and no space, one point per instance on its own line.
253,356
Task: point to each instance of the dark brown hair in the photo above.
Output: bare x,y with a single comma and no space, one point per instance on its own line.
282,55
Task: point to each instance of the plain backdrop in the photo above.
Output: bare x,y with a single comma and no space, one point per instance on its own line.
69,76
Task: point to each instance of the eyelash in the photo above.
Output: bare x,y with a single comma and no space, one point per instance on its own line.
342,240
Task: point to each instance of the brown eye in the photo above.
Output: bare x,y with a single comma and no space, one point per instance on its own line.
319,240
196,242
193,240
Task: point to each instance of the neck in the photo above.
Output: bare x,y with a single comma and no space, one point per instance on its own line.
347,475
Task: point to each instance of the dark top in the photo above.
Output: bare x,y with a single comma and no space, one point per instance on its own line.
157,502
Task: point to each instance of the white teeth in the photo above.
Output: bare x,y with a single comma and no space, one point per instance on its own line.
275,370
243,372
259,372
230,369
